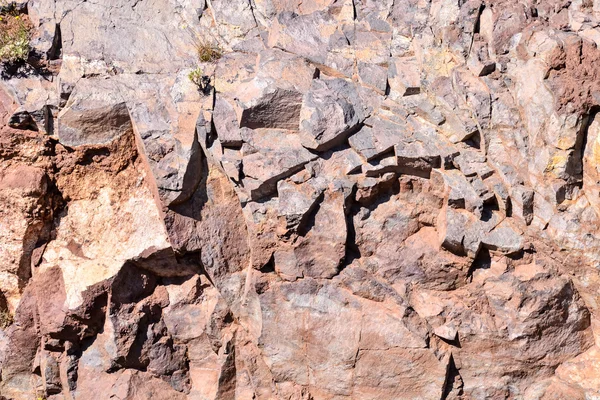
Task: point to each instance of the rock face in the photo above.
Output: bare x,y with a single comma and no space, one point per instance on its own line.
358,200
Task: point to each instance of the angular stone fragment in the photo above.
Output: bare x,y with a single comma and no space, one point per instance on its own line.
460,193
377,137
472,162
522,202
479,61
331,110
320,252
418,157
275,108
505,239
271,155
297,201
446,331
428,110
36,103
373,75
226,123
404,77
93,120
460,232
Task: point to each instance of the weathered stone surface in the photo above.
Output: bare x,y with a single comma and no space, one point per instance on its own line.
269,156
404,77
93,118
354,200
330,111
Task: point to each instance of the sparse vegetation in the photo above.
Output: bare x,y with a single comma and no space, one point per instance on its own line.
207,52
196,76
6,319
15,32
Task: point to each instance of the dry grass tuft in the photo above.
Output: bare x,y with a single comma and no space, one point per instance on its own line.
207,52
6,319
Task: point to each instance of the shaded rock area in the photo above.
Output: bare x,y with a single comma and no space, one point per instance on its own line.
356,200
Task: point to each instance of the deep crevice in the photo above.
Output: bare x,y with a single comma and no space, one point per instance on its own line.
308,220
352,249
483,260
269,267
474,141
578,165
55,52
453,382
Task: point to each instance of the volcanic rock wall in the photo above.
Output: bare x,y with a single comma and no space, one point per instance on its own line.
360,199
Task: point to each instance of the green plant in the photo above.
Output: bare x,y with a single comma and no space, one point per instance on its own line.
196,76
14,36
199,79
6,319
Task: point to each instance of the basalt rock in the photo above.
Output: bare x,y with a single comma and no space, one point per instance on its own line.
301,200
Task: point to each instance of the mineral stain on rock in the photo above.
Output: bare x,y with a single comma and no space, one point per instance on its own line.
368,200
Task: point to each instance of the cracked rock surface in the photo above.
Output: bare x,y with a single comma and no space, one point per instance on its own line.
367,199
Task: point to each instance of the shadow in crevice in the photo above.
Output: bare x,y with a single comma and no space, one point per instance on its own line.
489,208
352,249
483,260
454,383
192,207
269,267
308,220
577,163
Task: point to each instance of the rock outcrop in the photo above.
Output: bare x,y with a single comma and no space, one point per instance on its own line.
326,199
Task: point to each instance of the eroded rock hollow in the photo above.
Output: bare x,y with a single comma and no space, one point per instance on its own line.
286,199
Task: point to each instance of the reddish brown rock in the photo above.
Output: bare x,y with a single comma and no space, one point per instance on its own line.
307,200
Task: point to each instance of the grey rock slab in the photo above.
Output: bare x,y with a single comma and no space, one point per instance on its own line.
330,111
377,137
37,103
505,239
460,192
460,232
271,155
276,108
471,162
226,123
150,37
404,77
94,115
297,201
320,252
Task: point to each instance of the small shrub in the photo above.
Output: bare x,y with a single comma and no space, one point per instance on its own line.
6,319
14,36
196,76
199,79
